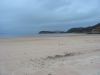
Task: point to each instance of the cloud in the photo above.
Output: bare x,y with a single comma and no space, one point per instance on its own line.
28,16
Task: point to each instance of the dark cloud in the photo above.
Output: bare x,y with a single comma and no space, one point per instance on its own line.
29,16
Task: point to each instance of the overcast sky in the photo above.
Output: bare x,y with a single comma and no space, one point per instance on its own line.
31,16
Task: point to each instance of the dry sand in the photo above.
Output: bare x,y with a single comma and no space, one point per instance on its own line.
50,55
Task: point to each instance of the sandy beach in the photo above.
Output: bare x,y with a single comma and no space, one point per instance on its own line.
50,55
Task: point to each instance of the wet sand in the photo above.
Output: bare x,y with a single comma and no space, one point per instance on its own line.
50,55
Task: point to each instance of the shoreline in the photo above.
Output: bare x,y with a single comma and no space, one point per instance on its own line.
46,35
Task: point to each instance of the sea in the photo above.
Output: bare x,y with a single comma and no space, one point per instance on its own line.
39,35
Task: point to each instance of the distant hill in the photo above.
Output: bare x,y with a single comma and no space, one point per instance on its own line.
91,29
51,32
